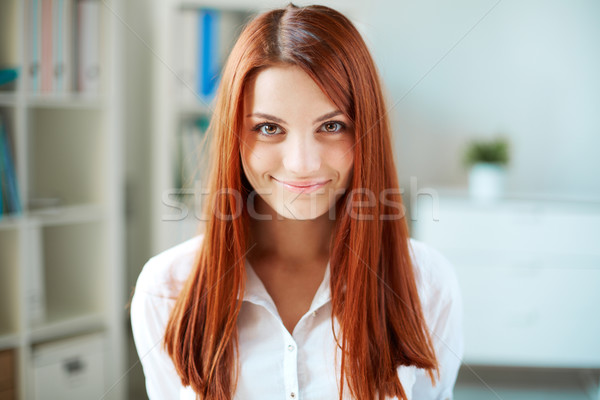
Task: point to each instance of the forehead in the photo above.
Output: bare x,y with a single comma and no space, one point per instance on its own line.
283,87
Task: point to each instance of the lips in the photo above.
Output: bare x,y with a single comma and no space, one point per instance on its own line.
302,186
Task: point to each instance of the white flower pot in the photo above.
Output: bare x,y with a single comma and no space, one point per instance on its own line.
486,181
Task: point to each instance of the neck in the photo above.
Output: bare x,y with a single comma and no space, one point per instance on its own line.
291,242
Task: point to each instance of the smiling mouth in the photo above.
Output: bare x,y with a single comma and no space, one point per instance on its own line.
302,187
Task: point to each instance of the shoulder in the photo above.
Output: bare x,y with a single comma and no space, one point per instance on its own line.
157,288
434,274
441,302
165,274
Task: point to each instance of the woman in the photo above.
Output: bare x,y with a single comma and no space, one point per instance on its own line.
304,283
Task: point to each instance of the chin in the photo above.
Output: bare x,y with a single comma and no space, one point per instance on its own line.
300,214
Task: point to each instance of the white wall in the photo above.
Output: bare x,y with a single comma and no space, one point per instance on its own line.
526,69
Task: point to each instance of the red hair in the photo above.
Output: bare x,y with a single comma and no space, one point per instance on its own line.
374,293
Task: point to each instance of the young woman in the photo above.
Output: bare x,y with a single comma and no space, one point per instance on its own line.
304,283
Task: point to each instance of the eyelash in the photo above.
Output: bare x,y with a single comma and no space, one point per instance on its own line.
257,128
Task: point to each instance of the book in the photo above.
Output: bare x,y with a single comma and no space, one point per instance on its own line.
34,23
9,22
7,172
208,52
61,38
36,294
88,46
8,75
46,62
187,47
2,191
206,39
229,28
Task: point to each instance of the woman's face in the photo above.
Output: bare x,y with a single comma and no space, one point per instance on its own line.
296,145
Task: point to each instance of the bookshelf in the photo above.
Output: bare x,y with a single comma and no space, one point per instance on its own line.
175,104
62,257
175,109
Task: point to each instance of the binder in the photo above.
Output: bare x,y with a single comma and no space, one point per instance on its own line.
3,190
88,46
62,37
46,62
8,75
35,22
36,293
188,67
7,172
208,52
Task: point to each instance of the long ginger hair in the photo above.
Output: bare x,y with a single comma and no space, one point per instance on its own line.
373,290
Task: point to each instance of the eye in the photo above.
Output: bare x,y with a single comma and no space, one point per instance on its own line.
333,126
267,129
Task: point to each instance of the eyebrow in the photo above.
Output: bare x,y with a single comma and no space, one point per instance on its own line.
279,120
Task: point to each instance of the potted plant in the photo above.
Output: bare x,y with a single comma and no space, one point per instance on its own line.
487,161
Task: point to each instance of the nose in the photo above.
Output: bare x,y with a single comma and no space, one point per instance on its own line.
302,157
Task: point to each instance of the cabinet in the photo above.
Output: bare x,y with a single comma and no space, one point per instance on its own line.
529,272
530,277
61,258
70,369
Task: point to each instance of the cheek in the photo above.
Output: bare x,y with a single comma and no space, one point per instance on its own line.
257,161
246,155
342,157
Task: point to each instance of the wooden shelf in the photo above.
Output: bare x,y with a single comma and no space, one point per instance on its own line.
67,215
63,215
12,221
8,99
65,101
63,325
9,340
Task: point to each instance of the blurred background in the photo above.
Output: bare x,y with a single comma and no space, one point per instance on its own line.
495,114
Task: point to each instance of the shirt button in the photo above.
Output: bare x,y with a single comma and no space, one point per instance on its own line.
293,395
291,348
314,314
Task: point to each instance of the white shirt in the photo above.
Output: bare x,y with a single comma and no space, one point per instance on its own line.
299,366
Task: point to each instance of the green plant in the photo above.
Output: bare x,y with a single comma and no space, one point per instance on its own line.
489,151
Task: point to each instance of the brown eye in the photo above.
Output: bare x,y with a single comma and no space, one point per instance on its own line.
332,127
270,129
267,129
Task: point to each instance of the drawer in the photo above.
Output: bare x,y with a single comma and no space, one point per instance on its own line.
7,371
514,226
531,316
69,369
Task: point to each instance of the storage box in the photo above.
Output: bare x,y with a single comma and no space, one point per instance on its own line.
69,369
7,371
9,394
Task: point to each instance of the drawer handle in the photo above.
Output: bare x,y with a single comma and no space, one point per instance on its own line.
74,366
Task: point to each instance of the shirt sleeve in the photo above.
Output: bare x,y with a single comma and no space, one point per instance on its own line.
443,313
149,316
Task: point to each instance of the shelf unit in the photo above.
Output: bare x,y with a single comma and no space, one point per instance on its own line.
172,223
61,264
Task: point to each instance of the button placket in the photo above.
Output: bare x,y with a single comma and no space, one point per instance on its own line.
290,367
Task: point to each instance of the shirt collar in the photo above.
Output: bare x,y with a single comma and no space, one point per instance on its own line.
256,293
